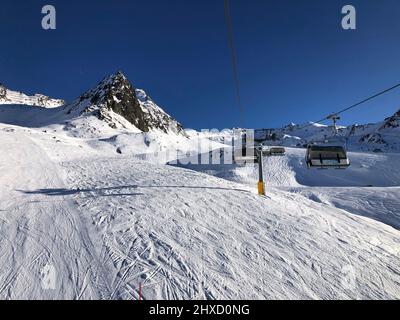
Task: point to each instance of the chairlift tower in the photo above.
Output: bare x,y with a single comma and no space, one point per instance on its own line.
260,156
334,117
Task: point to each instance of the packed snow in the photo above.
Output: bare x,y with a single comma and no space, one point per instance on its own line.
93,212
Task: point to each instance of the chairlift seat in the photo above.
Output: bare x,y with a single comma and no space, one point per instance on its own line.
277,151
327,157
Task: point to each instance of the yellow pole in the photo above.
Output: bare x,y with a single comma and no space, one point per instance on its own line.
261,188
261,185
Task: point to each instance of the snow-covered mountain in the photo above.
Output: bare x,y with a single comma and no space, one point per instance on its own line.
89,211
13,97
383,136
80,221
115,101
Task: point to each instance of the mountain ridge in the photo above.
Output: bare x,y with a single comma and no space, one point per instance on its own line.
383,136
114,101
8,96
118,104
116,95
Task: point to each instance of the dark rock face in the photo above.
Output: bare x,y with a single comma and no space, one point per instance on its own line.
373,138
116,94
3,91
392,122
377,136
155,117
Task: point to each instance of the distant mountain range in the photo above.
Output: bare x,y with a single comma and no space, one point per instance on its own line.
13,97
383,136
114,100
117,103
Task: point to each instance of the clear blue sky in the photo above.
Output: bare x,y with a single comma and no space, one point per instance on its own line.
296,64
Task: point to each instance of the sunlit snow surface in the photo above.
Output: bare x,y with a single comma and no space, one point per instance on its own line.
79,220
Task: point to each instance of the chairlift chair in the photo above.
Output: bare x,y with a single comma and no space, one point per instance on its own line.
324,157
277,151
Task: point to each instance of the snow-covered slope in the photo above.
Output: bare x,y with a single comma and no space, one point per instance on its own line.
115,101
13,97
80,221
366,188
384,136
366,170
114,114
90,210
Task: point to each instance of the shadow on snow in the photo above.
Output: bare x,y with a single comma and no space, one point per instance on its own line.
99,191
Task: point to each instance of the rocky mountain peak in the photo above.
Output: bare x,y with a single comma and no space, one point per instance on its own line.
116,95
3,91
392,122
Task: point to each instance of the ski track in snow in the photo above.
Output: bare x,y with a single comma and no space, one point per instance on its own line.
38,231
108,225
201,241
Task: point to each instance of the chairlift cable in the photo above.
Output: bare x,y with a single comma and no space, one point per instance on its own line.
354,105
229,24
368,99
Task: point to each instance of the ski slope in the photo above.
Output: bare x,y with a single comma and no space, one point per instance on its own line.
370,187
40,236
80,221
367,170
